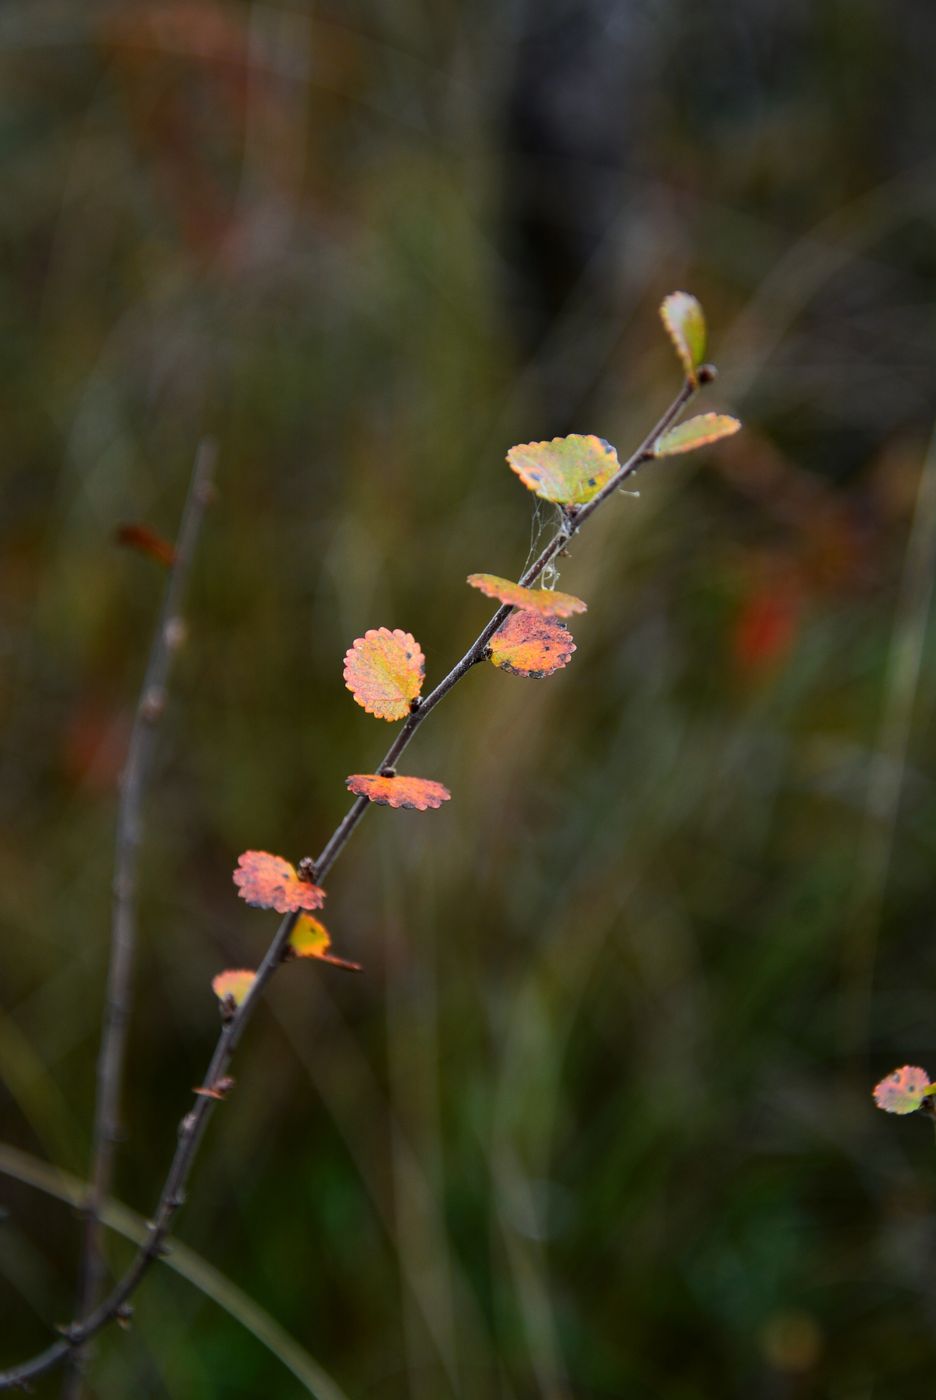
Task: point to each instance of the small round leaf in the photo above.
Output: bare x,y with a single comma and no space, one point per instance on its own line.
695,432
530,645
684,320
547,601
270,882
384,671
903,1090
419,794
235,983
311,939
569,470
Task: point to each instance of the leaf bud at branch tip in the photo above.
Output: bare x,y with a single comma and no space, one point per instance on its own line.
707,374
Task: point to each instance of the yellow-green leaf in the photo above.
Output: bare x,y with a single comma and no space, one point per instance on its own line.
311,939
695,432
569,470
684,319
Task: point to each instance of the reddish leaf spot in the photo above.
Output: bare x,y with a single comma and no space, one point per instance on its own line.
94,744
384,671
766,627
311,939
419,794
530,645
142,538
547,601
233,984
568,471
903,1091
270,882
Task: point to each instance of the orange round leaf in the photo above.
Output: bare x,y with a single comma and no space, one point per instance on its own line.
547,601
270,882
569,470
903,1090
235,983
530,645
419,794
311,939
384,671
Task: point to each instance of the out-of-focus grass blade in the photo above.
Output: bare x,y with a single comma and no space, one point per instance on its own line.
184,1261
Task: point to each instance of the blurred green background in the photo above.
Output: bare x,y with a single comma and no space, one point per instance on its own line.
596,1122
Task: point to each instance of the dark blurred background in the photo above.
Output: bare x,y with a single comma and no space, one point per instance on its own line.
597,1121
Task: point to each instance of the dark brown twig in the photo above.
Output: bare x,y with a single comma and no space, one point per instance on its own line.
111,1055
193,1125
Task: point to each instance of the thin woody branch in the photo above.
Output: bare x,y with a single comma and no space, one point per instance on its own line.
193,1125
112,1053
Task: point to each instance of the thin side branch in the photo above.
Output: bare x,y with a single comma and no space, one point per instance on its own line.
193,1125
112,1053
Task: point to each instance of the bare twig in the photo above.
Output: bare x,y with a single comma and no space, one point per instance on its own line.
193,1125
150,707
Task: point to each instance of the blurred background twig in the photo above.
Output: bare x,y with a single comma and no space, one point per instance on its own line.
167,638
